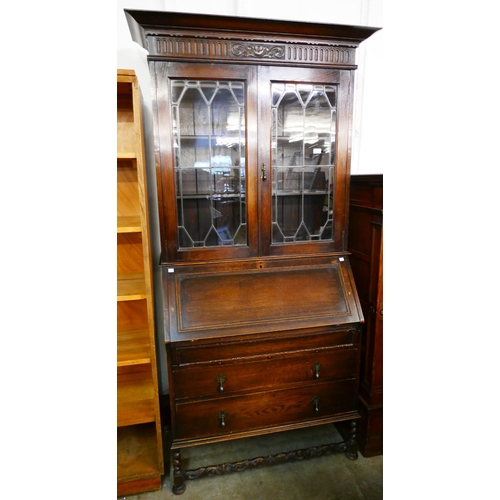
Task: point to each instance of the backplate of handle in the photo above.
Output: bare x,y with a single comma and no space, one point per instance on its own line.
221,378
263,172
222,418
315,369
315,403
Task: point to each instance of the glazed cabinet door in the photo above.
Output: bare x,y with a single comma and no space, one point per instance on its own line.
303,154
255,157
206,160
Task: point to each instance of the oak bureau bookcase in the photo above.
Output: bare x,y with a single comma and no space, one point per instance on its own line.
252,130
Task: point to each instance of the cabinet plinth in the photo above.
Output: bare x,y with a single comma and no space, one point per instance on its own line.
252,128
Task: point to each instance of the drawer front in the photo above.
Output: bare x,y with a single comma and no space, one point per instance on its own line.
192,352
317,367
228,415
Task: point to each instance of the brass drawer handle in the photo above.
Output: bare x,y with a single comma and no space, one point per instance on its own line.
222,418
315,368
221,378
315,403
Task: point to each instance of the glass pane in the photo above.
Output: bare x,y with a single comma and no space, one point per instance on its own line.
210,164
303,157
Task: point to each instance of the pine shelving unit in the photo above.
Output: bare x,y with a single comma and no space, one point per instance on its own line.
139,437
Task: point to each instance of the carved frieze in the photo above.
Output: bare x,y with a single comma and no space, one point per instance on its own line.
240,466
180,47
259,51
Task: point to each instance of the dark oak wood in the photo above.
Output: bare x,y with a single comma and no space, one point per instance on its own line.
144,22
253,298
248,412
161,73
260,336
264,346
247,376
366,245
278,458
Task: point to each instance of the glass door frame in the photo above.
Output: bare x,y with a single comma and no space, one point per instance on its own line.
165,72
343,80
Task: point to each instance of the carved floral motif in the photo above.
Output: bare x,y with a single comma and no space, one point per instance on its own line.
259,51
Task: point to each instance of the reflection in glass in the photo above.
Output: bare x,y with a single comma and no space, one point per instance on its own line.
209,146
303,158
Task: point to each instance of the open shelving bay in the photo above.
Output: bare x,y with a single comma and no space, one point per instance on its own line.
139,440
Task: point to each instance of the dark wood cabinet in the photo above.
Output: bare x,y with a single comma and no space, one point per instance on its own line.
365,244
252,123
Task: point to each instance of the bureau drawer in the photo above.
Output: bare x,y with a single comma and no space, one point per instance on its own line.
194,352
318,367
242,413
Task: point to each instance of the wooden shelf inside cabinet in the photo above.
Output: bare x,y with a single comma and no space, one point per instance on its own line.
126,155
214,139
213,196
126,124
140,444
137,454
129,224
128,197
133,346
135,396
296,192
131,286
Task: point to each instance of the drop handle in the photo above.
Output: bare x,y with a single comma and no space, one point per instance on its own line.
222,418
315,403
221,378
315,369
263,172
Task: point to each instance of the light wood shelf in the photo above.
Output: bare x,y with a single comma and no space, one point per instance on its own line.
136,398
129,224
137,454
131,286
126,155
133,346
139,443
128,194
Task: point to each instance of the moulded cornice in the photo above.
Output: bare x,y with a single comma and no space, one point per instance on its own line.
156,22
181,36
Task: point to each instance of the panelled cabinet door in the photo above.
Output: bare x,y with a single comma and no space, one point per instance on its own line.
207,136
256,158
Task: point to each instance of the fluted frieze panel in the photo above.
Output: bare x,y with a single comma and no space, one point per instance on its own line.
178,47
